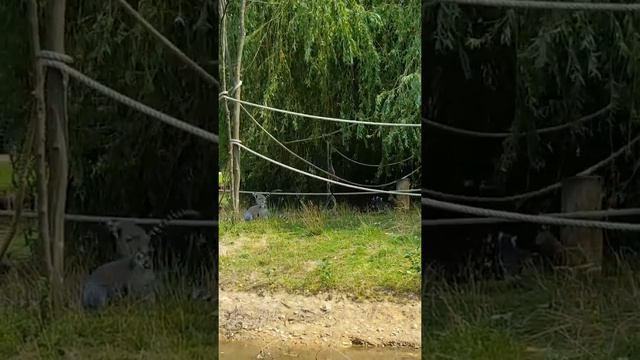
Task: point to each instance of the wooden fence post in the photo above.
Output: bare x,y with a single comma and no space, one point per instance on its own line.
57,141
236,113
403,200
583,246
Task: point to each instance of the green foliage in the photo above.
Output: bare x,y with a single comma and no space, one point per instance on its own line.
568,64
125,162
348,59
15,99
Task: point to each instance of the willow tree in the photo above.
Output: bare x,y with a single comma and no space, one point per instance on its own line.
346,59
560,66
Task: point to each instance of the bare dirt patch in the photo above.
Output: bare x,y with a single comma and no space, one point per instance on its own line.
317,320
229,248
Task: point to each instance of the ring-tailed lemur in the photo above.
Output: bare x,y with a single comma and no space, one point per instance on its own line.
131,238
379,204
131,276
259,210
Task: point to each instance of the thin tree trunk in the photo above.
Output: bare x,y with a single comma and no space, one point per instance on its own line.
227,113
56,98
236,113
41,124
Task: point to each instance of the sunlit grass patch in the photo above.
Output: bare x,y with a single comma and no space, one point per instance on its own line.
367,255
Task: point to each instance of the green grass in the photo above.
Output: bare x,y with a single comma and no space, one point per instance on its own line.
5,175
174,327
543,316
366,255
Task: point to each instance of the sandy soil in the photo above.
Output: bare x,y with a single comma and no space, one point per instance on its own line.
330,320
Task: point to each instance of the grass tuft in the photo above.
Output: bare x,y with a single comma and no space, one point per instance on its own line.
542,316
367,255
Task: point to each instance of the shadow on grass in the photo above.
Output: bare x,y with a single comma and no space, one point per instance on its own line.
176,326
542,316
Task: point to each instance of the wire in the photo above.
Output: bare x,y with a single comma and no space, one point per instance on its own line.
371,165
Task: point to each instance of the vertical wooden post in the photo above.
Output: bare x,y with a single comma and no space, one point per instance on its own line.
57,141
225,58
583,246
403,200
41,124
236,113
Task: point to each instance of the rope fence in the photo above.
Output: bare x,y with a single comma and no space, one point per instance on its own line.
104,219
55,60
60,61
239,144
169,45
500,135
533,193
593,214
325,118
536,219
276,193
315,166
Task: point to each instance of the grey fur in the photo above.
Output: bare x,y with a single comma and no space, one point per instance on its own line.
131,238
131,275
259,210
255,212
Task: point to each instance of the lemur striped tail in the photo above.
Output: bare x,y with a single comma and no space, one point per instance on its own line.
172,216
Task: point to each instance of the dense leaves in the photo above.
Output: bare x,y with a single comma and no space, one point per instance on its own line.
540,68
124,163
347,59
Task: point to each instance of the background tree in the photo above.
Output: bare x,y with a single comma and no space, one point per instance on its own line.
347,59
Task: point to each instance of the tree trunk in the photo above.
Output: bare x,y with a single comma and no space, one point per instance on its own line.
236,113
44,248
57,142
227,114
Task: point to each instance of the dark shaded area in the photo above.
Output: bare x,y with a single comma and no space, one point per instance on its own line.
463,165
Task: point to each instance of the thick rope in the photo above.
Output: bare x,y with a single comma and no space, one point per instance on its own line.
104,219
45,59
594,214
551,5
536,219
174,49
358,122
276,193
500,135
534,193
239,144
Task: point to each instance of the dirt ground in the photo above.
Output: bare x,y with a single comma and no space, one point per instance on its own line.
326,320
